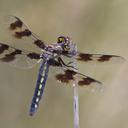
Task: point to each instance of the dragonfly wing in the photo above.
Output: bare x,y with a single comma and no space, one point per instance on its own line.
67,76
17,32
99,58
18,58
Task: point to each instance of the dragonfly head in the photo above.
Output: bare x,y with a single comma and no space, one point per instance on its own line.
68,47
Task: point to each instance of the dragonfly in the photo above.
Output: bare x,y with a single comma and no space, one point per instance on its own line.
49,56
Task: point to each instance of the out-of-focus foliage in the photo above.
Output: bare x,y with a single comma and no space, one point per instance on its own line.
97,26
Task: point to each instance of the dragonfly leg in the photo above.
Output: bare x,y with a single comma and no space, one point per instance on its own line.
66,65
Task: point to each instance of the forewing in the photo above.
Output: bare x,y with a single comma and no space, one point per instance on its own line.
99,58
17,32
17,57
68,76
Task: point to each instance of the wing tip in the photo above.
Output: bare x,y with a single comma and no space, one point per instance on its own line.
98,88
122,59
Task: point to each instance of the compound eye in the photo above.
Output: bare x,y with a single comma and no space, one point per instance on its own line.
60,39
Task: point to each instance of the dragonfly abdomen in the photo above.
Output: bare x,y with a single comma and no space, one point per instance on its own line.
41,81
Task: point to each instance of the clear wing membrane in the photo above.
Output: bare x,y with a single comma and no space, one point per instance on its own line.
99,58
17,57
68,76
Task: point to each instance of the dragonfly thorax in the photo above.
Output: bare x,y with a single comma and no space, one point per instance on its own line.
64,46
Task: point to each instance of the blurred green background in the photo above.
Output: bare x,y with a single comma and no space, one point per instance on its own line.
96,26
